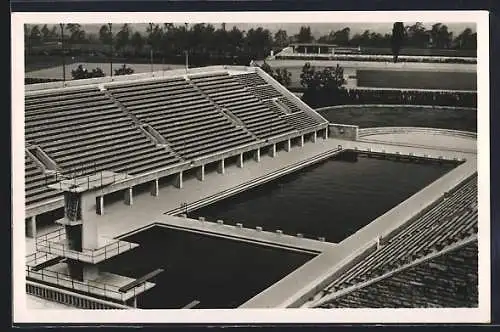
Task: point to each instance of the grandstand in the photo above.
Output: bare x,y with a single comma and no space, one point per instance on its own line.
149,125
146,127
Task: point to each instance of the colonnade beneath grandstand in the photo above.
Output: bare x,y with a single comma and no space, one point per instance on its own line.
177,179
31,227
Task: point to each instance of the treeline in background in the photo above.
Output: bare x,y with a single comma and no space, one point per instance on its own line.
207,45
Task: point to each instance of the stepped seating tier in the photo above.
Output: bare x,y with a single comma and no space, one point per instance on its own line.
301,120
185,117
36,182
85,131
227,92
291,106
449,281
266,93
451,220
250,79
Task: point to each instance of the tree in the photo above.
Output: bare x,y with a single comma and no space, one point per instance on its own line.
267,68
304,35
322,87
137,42
155,36
45,33
398,34
417,36
77,35
221,41
466,40
283,76
122,37
105,34
340,37
441,38
235,37
35,36
124,70
258,42
281,38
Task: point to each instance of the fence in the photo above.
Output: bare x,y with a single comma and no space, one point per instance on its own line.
405,130
88,287
69,298
51,243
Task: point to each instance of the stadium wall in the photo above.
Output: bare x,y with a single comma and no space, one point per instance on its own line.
341,131
437,107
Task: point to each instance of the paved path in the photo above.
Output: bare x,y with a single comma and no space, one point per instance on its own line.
377,65
57,72
243,234
426,140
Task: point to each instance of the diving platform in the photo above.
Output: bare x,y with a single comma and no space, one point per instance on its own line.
57,243
41,260
89,182
104,285
140,281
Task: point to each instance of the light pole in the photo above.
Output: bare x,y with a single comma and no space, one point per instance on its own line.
187,48
61,25
111,47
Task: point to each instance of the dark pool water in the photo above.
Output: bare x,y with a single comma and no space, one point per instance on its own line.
365,117
219,273
332,199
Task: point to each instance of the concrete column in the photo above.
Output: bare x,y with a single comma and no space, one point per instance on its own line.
99,202
240,160
129,196
134,304
256,155
90,272
155,188
200,173
31,227
178,181
325,134
89,222
314,137
272,150
221,169
301,141
288,145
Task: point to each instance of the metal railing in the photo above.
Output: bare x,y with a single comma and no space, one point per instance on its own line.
89,287
37,258
393,130
51,243
68,298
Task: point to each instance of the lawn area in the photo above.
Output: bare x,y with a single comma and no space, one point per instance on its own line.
417,80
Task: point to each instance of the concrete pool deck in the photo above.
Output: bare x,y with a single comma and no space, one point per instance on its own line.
120,219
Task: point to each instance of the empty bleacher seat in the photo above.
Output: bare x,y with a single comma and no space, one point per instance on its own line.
36,183
227,92
189,121
84,130
423,285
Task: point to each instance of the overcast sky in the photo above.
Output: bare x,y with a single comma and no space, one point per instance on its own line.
318,29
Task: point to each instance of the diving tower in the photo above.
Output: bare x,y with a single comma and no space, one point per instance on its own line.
70,256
